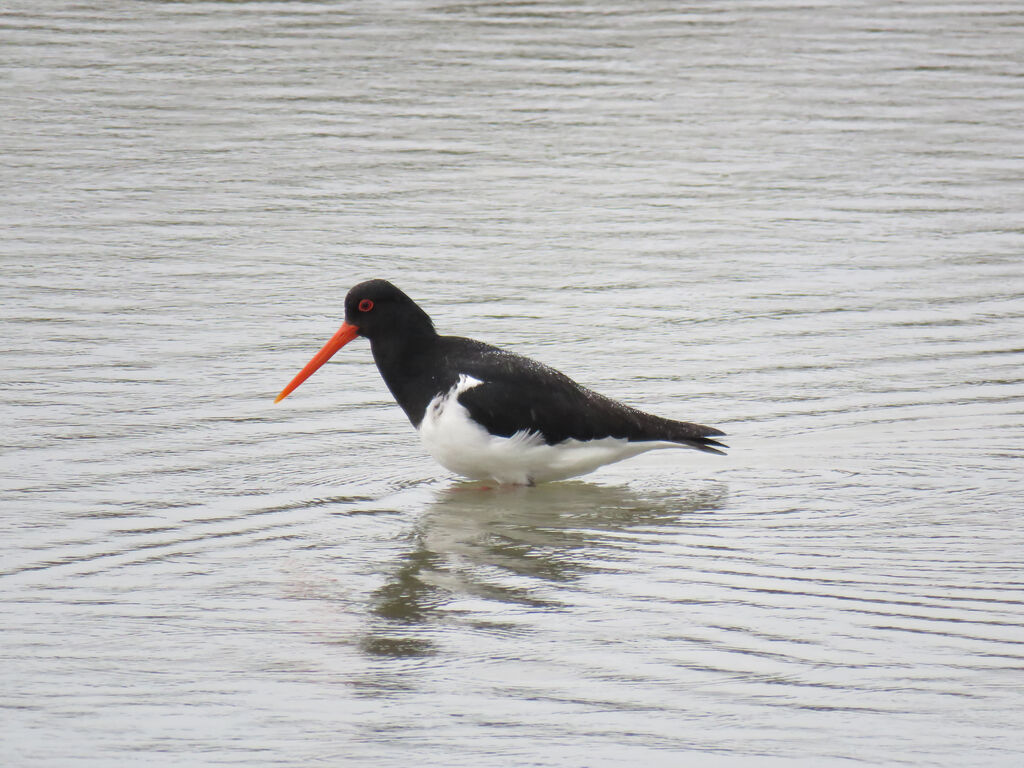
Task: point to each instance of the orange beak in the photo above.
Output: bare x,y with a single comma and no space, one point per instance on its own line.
344,335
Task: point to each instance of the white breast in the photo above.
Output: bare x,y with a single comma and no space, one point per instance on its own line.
464,447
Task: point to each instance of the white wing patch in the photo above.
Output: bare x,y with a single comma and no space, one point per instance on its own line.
465,382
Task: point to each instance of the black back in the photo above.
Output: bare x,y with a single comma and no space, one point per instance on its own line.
516,394
519,394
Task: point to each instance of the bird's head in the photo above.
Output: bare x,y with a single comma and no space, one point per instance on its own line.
377,310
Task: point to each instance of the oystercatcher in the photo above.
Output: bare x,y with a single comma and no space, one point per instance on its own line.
488,414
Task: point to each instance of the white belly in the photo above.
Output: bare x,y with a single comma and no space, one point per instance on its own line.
464,447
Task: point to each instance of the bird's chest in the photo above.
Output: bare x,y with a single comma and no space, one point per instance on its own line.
452,437
414,383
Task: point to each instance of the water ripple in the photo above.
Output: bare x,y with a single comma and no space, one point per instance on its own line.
798,222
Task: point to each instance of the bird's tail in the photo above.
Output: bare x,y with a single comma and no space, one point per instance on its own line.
692,435
705,443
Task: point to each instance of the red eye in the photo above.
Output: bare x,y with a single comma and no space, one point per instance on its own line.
365,305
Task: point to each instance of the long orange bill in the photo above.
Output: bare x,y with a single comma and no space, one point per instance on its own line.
344,335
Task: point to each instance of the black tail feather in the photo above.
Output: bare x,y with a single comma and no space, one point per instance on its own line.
707,445
694,435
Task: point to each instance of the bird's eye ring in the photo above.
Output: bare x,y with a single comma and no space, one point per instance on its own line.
365,305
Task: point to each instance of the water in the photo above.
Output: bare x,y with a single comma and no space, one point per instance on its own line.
800,222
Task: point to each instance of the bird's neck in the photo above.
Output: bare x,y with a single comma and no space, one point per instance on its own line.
408,364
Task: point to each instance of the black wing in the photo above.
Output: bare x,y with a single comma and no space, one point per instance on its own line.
519,394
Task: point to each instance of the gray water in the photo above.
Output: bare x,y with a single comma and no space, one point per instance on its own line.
800,222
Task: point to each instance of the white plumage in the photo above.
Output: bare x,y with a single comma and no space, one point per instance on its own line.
464,447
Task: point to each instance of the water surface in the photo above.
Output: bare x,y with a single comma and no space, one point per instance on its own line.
800,222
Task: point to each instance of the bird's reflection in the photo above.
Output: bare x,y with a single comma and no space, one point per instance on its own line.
510,545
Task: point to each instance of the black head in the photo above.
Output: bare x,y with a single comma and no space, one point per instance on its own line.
379,309
383,314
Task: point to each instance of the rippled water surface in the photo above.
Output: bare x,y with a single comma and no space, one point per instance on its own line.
800,222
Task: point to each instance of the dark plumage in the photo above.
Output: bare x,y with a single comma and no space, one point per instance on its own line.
506,394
